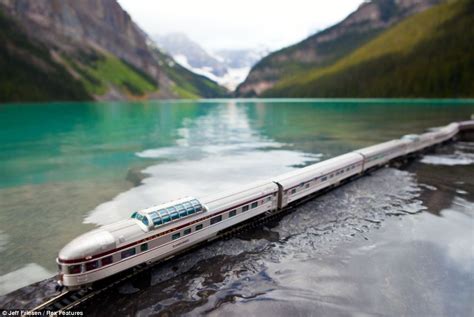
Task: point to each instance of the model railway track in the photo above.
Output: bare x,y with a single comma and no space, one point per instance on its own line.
73,298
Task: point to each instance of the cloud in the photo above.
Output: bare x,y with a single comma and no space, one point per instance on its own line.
239,24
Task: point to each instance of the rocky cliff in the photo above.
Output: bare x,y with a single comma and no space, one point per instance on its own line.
98,24
100,45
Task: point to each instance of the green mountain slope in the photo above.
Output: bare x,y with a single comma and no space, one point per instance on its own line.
85,50
328,46
99,71
28,72
430,54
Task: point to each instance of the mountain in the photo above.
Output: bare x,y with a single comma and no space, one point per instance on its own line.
182,48
184,83
86,49
227,67
430,54
28,71
330,45
241,58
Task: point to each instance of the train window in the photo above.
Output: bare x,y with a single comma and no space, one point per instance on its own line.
197,208
163,212
190,210
128,253
325,178
182,211
198,227
106,261
254,205
92,265
175,236
307,185
245,208
216,219
174,215
74,269
143,247
145,221
293,191
134,215
157,221
269,198
166,219
171,210
187,231
232,213
331,176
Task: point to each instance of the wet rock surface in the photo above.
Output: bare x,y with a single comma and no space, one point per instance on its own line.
397,242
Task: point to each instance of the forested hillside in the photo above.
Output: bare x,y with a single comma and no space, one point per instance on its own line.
430,54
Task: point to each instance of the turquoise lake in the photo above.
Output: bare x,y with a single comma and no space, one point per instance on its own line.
66,168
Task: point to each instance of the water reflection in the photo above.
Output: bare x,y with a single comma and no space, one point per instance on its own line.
60,161
326,259
212,153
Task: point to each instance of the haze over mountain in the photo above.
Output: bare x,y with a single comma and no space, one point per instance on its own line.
228,67
239,24
70,50
330,45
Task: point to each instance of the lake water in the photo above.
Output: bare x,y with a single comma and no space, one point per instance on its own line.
67,168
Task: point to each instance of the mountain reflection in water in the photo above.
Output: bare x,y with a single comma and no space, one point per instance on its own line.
75,166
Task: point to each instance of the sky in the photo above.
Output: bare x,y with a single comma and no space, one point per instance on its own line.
235,24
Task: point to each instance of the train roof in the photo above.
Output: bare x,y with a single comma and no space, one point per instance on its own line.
102,239
469,124
239,194
382,147
171,212
318,169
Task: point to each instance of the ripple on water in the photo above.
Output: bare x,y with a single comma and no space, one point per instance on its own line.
241,269
463,154
197,178
3,240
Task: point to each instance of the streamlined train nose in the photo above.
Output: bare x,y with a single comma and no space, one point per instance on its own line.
88,244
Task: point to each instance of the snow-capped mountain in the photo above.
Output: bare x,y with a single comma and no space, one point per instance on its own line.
227,67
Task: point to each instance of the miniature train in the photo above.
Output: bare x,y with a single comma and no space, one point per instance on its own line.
161,231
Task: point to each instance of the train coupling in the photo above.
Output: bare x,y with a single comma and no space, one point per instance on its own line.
59,284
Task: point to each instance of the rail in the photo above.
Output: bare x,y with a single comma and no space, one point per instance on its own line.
70,299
